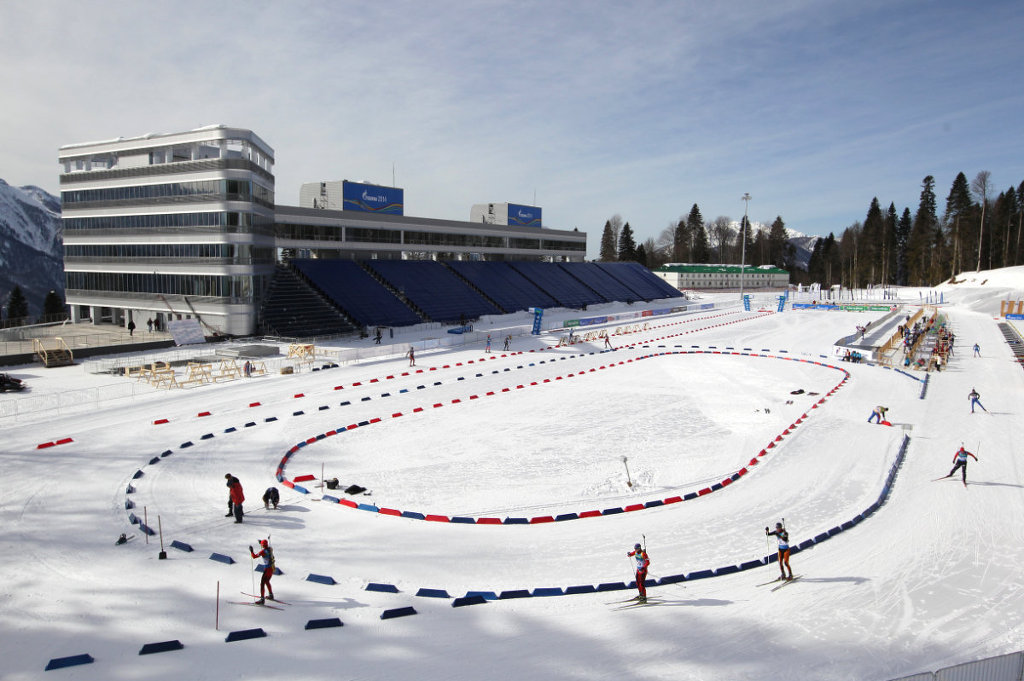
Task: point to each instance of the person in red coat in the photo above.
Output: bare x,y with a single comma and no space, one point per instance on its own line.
235,497
642,563
267,554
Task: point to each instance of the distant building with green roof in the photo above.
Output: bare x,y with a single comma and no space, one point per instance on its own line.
690,276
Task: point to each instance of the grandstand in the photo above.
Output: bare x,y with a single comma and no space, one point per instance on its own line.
607,286
639,279
505,286
434,289
323,296
568,291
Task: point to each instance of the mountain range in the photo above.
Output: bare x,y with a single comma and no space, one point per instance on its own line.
31,248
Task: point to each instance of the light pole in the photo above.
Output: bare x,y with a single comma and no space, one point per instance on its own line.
743,252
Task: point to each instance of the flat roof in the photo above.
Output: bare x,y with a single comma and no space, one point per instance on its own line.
688,268
205,133
313,216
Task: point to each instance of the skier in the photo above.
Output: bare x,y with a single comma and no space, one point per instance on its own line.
608,341
977,350
975,399
235,497
488,342
267,554
783,538
642,563
271,496
508,342
412,357
960,461
879,414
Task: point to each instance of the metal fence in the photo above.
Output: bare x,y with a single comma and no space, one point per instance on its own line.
1008,667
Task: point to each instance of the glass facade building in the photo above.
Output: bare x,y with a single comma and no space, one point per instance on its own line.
176,225
168,227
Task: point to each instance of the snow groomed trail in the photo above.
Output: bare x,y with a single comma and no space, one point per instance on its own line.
927,578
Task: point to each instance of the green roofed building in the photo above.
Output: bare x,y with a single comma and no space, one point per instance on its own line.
689,276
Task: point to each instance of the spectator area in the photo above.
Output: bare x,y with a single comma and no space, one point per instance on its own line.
502,284
434,289
567,290
406,292
607,286
354,291
638,278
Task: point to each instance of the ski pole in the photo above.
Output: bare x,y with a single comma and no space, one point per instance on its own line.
768,548
252,565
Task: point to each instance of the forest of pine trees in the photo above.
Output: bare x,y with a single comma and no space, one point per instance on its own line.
975,231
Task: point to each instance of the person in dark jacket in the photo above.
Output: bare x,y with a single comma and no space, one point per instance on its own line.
271,496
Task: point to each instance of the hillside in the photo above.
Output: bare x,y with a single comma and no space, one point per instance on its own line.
30,244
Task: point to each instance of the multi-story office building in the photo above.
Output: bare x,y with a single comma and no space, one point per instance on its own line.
168,226
185,225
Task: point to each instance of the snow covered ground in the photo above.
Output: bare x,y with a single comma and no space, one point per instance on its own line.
933,578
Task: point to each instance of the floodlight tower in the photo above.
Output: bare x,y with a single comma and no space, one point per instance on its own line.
743,252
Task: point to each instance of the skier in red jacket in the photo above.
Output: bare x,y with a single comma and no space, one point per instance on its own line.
643,561
267,554
960,461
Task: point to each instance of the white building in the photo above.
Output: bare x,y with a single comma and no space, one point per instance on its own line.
691,276
184,225
169,226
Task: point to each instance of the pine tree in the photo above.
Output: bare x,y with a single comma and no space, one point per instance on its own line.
778,241
53,307
889,230
698,237
701,249
744,241
608,250
870,246
681,242
903,229
627,245
641,255
921,254
958,217
17,307
757,254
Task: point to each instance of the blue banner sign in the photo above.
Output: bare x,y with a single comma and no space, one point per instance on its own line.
371,198
538,316
523,216
807,306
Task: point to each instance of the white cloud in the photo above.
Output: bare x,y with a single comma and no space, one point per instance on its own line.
598,107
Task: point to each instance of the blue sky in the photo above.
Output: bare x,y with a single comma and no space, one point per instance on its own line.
595,108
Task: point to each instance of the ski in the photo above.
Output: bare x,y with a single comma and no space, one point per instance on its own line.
628,600
269,599
638,604
944,477
786,583
777,579
258,605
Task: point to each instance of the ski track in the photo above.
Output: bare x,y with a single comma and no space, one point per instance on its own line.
932,578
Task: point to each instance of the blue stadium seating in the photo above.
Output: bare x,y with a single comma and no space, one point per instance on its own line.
637,277
353,290
599,280
502,284
434,289
568,291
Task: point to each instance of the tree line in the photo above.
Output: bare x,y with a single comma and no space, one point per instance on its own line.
17,313
692,240
976,231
